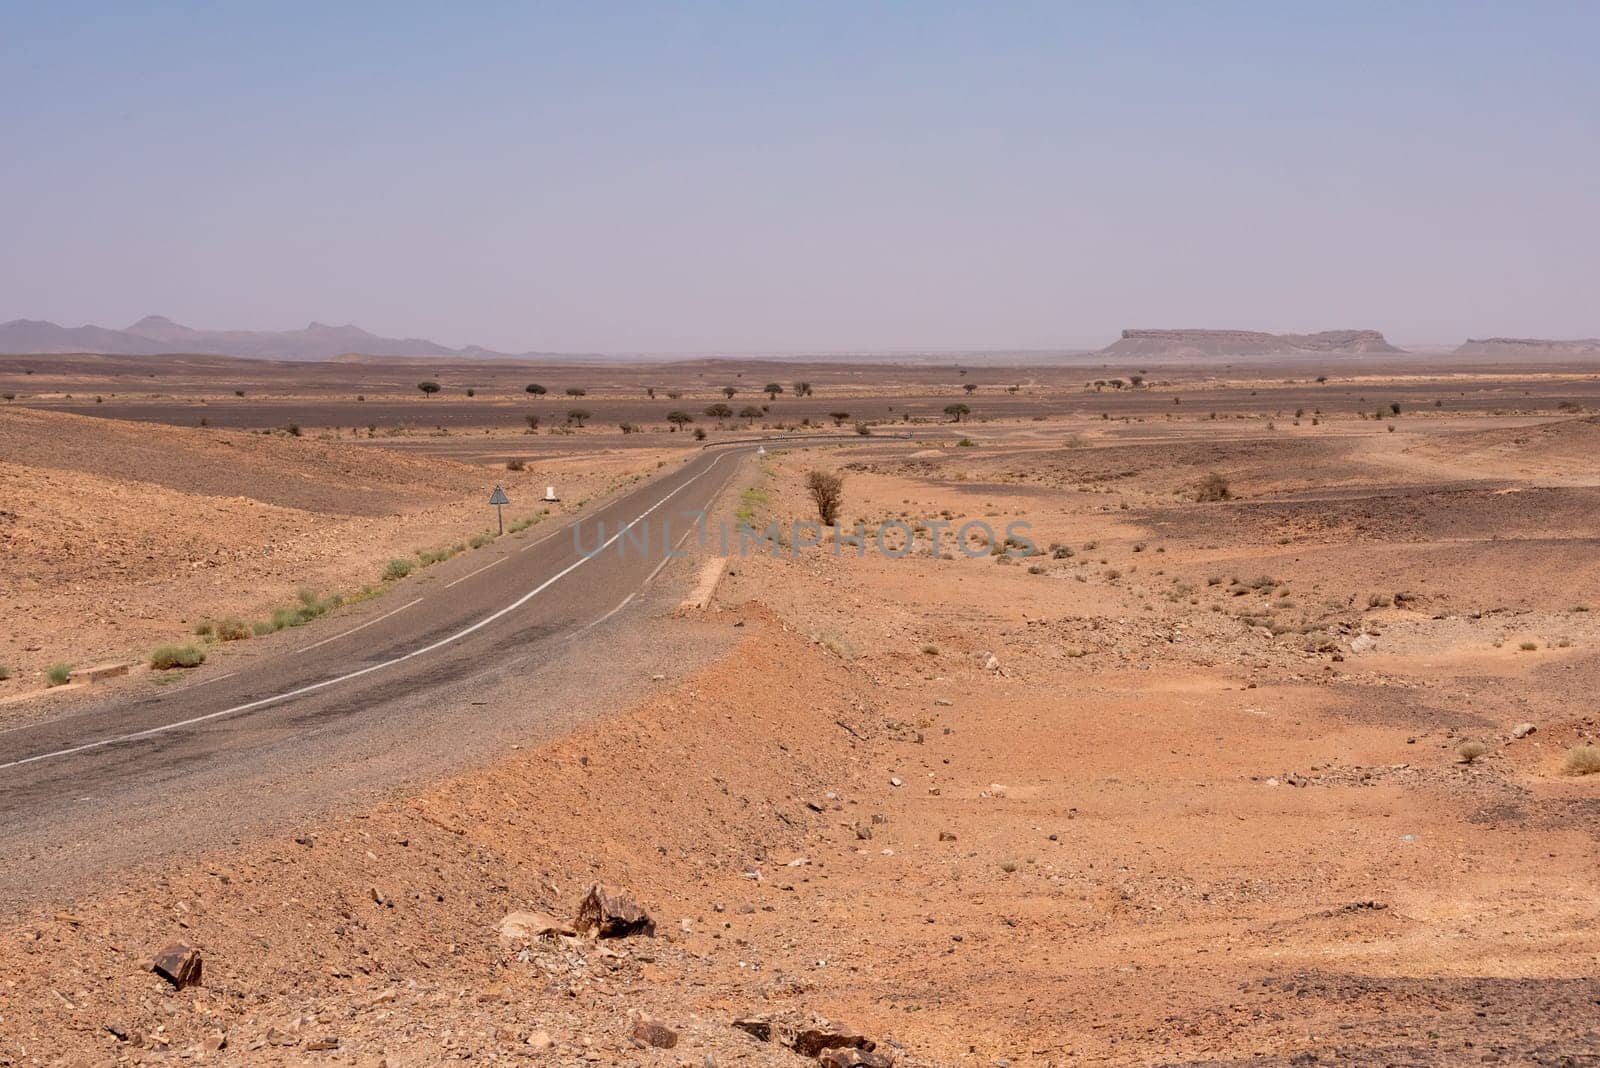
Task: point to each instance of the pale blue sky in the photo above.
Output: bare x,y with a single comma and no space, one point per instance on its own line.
708,177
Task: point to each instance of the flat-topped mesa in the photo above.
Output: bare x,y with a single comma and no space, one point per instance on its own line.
1245,343
1529,346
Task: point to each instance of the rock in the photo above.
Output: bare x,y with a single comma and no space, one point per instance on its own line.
756,1028
863,832
541,1040
813,1041
987,660
1522,730
322,1044
896,781
519,925
855,1058
947,836
653,1032
608,913
179,964
1363,643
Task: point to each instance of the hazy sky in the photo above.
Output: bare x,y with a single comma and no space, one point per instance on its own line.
789,176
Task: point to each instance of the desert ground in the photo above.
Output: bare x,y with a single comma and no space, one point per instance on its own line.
1262,742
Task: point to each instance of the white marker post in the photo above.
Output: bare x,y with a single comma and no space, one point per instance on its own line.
499,499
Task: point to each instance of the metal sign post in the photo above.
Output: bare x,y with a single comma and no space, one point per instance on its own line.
499,499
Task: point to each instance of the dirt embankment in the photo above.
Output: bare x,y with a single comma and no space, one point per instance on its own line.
378,936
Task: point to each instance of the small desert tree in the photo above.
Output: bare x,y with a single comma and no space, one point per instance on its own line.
533,421
576,391
750,411
679,420
428,388
827,491
729,391
719,411
536,389
838,417
956,411
578,415
970,387
772,389
802,389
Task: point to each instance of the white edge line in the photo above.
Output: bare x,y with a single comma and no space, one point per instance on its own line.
469,574
325,683
363,626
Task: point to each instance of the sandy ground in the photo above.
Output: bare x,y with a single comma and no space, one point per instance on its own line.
1186,786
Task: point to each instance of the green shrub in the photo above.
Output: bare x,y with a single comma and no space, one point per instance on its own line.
164,657
232,630
261,627
478,541
59,674
203,629
396,569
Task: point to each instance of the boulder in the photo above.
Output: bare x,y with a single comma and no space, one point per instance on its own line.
608,913
1522,730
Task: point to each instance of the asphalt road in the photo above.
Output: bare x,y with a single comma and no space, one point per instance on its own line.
515,633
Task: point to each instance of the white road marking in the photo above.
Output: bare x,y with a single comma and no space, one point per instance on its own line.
324,684
480,571
665,560
363,626
609,614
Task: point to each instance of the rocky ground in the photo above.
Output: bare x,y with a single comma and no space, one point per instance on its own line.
1190,785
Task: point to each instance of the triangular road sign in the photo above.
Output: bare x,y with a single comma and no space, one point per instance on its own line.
499,497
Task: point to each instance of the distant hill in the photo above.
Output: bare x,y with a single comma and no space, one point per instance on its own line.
1529,346
1190,343
156,335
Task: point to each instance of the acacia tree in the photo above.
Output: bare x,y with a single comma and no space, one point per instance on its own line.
802,389
576,391
729,391
428,388
838,417
956,411
535,388
827,492
679,420
772,389
719,411
578,415
970,387
750,411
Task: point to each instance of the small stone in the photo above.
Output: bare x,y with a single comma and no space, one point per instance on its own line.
896,782
756,1028
813,1041
541,1040
854,1058
652,1032
1522,730
608,913
179,964
863,832
325,1043
947,836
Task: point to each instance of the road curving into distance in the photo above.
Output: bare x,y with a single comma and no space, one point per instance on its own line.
396,677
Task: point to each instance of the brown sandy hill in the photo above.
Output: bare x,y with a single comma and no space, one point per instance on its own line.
1192,343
